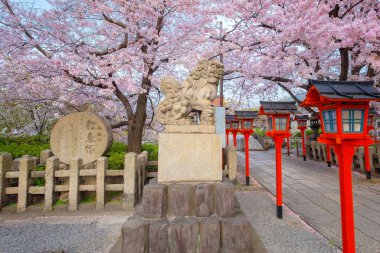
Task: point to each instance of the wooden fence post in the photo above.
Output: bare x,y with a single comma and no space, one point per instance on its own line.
52,164
26,165
5,165
130,164
75,165
101,167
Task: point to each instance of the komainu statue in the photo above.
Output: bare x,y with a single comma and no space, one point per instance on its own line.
196,94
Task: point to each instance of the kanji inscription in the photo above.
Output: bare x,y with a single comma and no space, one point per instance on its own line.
82,134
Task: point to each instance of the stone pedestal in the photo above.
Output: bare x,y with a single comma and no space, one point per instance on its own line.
189,154
188,218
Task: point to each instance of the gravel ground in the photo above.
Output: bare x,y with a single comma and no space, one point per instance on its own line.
287,235
60,234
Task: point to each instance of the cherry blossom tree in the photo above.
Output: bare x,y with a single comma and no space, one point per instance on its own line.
276,43
113,50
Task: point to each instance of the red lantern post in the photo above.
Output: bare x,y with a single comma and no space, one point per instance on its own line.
302,125
343,107
229,118
279,123
370,127
328,155
235,126
246,128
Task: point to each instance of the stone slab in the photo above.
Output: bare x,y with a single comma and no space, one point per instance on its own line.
189,158
209,230
154,203
204,200
184,235
158,236
135,234
236,235
188,129
181,200
82,134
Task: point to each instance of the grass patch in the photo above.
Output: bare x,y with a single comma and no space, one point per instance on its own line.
60,202
39,181
39,168
12,204
88,200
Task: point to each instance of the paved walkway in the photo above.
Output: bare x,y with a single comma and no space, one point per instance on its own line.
311,190
61,232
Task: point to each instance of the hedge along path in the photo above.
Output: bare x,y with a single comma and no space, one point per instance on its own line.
133,174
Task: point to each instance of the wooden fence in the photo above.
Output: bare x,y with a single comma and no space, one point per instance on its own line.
133,177
317,151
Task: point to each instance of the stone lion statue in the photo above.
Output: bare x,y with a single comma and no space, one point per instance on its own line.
196,94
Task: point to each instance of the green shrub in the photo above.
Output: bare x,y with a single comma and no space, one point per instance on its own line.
18,150
308,131
152,151
117,147
116,161
260,132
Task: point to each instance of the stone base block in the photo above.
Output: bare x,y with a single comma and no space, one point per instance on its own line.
209,230
154,203
158,236
193,157
181,200
135,234
184,235
236,235
204,200
225,200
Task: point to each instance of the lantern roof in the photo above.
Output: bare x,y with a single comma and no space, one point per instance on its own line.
230,117
269,107
349,91
247,114
301,117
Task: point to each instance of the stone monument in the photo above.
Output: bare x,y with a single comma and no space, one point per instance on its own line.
190,150
82,134
190,209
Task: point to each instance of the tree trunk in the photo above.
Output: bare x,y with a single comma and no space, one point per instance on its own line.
137,124
344,64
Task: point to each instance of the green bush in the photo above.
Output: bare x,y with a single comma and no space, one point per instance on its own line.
19,146
116,161
152,151
260,132
18,150
308,131
33,145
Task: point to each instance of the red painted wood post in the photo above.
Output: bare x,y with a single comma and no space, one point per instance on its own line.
278,142
288,145
303,144
227,135
367,162
234,135
345,155
328,155
246,137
